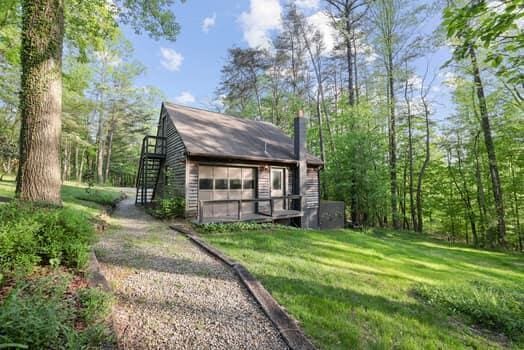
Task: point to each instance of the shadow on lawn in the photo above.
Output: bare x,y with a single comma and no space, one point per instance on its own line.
319,302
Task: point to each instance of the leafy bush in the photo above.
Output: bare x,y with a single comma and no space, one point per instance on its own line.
237,227
493,307
96,304
168,208
40,314
30,235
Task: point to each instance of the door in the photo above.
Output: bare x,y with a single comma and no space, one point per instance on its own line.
277,187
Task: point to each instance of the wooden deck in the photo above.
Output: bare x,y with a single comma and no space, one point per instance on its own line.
253,217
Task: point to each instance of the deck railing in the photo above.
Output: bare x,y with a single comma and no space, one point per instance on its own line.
154,145
287,204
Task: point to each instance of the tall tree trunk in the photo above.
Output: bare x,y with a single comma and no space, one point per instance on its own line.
420,220
320,129
76,161
81,169
38,177
100,150
465,195
490,148
516,206
480,190
410,159
355,67
108,152
392,141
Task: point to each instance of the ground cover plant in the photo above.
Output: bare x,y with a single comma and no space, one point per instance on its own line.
44,299
381,289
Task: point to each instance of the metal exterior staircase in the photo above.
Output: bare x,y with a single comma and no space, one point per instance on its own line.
152,159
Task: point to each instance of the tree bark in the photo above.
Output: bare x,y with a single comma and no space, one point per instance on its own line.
38,177
490,148
410,159
392,142
108,153
420,220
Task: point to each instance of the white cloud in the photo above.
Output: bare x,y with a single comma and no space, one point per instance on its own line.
171,59
208,23
263,17
321,22
185,98
307,4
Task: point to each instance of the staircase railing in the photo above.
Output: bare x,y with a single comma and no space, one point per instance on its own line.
153,147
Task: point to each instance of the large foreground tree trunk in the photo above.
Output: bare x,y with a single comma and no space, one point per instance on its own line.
490,148
41,100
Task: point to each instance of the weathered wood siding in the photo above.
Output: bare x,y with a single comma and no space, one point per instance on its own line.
192,189
312,188
172,179
290,181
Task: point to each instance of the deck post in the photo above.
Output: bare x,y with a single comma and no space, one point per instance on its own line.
272,206
200,211
239,209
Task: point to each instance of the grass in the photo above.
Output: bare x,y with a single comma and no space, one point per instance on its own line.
44,298
365,290
74,195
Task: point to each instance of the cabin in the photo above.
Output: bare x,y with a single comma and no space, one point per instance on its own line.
230,169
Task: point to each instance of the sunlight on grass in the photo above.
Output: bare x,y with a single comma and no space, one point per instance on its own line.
352,289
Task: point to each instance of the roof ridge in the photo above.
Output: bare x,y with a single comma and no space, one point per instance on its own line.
222,114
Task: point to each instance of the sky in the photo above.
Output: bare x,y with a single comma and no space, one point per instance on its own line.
188,70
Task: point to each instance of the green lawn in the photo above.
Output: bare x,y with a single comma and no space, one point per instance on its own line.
74,195
354,289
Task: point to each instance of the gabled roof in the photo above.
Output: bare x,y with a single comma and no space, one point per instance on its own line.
211,134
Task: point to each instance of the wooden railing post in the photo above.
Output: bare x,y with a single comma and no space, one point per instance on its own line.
271,206
240,209
200,212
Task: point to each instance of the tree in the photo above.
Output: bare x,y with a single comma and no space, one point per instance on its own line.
43,27
462,26
242,78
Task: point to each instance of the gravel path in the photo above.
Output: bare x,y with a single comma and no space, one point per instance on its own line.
172,295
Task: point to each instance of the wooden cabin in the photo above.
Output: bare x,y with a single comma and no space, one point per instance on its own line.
230,169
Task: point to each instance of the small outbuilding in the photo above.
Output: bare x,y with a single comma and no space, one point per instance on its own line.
230,169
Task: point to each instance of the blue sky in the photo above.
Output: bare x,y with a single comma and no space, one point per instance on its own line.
188,70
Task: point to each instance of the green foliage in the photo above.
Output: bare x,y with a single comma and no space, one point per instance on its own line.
495,28
168,208
40,314
96,304
237,227
491,306
31,234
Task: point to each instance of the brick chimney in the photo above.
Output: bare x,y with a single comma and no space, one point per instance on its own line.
300,156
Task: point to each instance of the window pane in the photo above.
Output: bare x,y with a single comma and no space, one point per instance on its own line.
235,184
277,180
249,184
205,184
220,184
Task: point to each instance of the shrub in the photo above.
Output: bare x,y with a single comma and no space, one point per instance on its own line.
40,314
238,227
96,304
168,208
30,234
497,308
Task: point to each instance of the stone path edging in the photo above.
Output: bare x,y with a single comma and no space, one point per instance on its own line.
95,277
286,325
